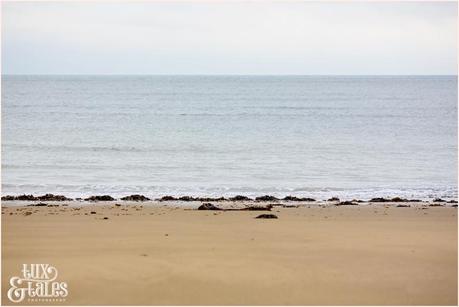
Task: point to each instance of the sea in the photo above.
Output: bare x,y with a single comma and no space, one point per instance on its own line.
311,136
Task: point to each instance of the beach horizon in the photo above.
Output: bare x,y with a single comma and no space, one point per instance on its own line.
229,153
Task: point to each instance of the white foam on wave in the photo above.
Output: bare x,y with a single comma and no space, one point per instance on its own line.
422,193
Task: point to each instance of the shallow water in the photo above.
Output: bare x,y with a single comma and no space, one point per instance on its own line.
224,135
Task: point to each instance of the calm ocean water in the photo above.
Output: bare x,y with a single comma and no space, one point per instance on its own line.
226,135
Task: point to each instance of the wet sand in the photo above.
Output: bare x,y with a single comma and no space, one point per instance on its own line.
155,253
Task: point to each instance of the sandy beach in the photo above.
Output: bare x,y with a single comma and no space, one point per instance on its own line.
229,153
168,253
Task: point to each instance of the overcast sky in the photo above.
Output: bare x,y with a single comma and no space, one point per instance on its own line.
229,38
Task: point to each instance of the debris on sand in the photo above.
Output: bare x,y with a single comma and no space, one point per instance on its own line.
266,198
267,216
294,198
398,199
20,197
333,199
167,198
100,198
379,200
135,197
346,203
394,200
46,197
436,205
191,198
284,205
186,198
209,199
403,206
38,205
290,206
240,198
208,206
256,208
7,197
52,197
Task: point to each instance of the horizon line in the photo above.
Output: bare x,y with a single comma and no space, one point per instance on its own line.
218,74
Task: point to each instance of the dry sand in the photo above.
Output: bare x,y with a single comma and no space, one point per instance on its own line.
374,254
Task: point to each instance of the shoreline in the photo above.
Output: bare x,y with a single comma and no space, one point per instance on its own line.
237,198
227,205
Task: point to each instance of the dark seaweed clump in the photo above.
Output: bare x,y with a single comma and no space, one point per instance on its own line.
266,198
208,206
46,197
346,203
394,200
240,198
100,198
135,197
267,216
167,198
294,198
